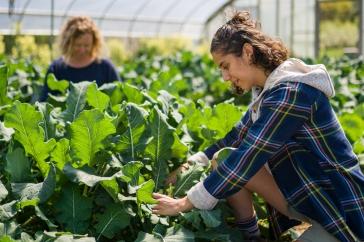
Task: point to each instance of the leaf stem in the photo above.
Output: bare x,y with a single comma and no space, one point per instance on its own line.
99,172
28,221
85,190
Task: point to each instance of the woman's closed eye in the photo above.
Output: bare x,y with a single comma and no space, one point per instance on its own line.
224,68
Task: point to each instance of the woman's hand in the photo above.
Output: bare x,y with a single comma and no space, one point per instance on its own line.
169,206
172,177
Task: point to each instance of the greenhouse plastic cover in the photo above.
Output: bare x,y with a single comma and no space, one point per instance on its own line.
124,18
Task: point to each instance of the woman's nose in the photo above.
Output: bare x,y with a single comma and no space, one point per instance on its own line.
225,76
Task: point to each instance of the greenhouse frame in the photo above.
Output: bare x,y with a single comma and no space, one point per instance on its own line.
295,22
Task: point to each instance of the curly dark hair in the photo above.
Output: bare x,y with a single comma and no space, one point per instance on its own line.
230,38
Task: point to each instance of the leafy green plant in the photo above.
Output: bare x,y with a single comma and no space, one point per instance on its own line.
83,166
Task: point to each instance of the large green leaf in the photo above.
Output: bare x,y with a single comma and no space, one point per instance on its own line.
179,149
48,123
85,177
73,210
210,124
132,94
188,179
166,100
111,187
360,110
144,193
196,120
359,146
56,85
225,116
111,221
172,235
18,166
160,147
133,118
3,85
114,92
96,98
42,191
169,80
25,120
193,117
88,132
76,100
194,218
353,126
211,218
60,155
131,172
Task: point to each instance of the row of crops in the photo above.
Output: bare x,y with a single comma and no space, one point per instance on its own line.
83,165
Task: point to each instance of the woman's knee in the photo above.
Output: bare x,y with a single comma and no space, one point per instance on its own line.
264,185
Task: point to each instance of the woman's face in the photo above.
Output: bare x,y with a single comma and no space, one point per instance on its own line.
82,46
238,70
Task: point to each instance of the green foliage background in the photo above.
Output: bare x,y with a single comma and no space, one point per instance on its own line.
83,165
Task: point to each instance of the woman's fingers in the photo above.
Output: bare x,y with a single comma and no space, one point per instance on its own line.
158,195
157,209
166,205
162,203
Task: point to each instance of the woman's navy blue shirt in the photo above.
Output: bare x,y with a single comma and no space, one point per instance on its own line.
101,70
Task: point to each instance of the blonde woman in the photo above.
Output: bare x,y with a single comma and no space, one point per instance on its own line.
80,45
290,147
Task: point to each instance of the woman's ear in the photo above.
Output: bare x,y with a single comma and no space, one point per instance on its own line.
247,52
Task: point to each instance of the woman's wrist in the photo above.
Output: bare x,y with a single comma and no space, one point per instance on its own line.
185,204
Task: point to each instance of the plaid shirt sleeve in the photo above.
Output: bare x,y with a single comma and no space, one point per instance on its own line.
233,138
284,109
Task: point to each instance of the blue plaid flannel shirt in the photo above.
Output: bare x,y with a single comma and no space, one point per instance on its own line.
312,161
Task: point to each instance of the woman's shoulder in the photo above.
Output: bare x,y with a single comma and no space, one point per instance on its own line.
58,62
105,62
294,91
296,86
56,65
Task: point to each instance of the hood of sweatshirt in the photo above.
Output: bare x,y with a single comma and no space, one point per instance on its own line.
295,70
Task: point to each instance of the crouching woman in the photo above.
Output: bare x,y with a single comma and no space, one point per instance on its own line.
290,147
